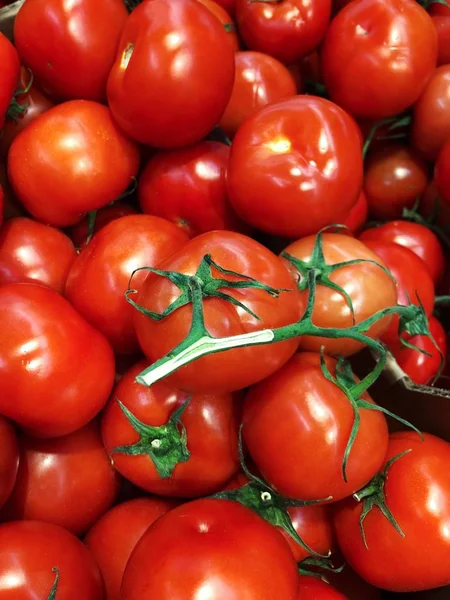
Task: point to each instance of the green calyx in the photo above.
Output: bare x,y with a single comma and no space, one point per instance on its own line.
394,123
16,110
374,495
52,595
166,445
219,135
309,567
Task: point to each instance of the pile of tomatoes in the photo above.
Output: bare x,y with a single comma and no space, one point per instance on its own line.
210,213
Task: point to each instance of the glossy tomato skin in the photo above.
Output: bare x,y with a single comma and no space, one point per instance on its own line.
391,561
287,30
225,18
77,157
211,423
414,236
378,56
442,172
298,412
312,588
230,550
442,26
57,39
68,481
189,187
164,89
370,288
301,156
34,549
9,74
237,368
100,275
56,370
9,459
35,253
260,79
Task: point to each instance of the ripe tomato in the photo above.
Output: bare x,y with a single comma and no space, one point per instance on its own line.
230,549
113,538
57,39
9,459
173,73
9,74
298,157
287,30
368,286
378,56
228,5
77,160
442,26
32,550
227,22
11,206
68,481
56,370
394,178
312,588
357,215
432,206
35,253
239,367
298,413
442,172
189,187
418,238
260,80
390,560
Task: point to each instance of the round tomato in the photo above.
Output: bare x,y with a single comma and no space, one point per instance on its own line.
113,538
312,588
77,160
378,56
442,26
239,367
56,370
357,215
9,459
228,548
173,74
189,187
295,166
35,253
393,561
70,46
367,285
9,75
227,22
35,554
442,172
260,80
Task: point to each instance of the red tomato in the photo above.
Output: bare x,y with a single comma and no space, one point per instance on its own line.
32,550
9,459
173,74
2,204
312,588
100,275
442,172
211,424
432,206
11,206
113,538
260,80
378,56
239,367
227,22
228,5
287,29
418,238
67,481
296,158
313,420
35,253
9,74
56,371
368,286
391,561
230,551
189,187
77,157
70,46
357,215
442,26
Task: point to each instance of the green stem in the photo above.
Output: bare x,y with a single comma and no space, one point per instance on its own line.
52,595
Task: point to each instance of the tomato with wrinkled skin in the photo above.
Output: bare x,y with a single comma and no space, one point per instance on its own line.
312,588
230,549
189,187
298,157
239,367
107,264
173,74
35,253
56,370
32,550
260,79
393,180
287,30
416,237
298,413
211,424
9,74
378,56
370,289
115,535
227,22
357,215
57,39
77,160
442,172
442,26
9,459
68,481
